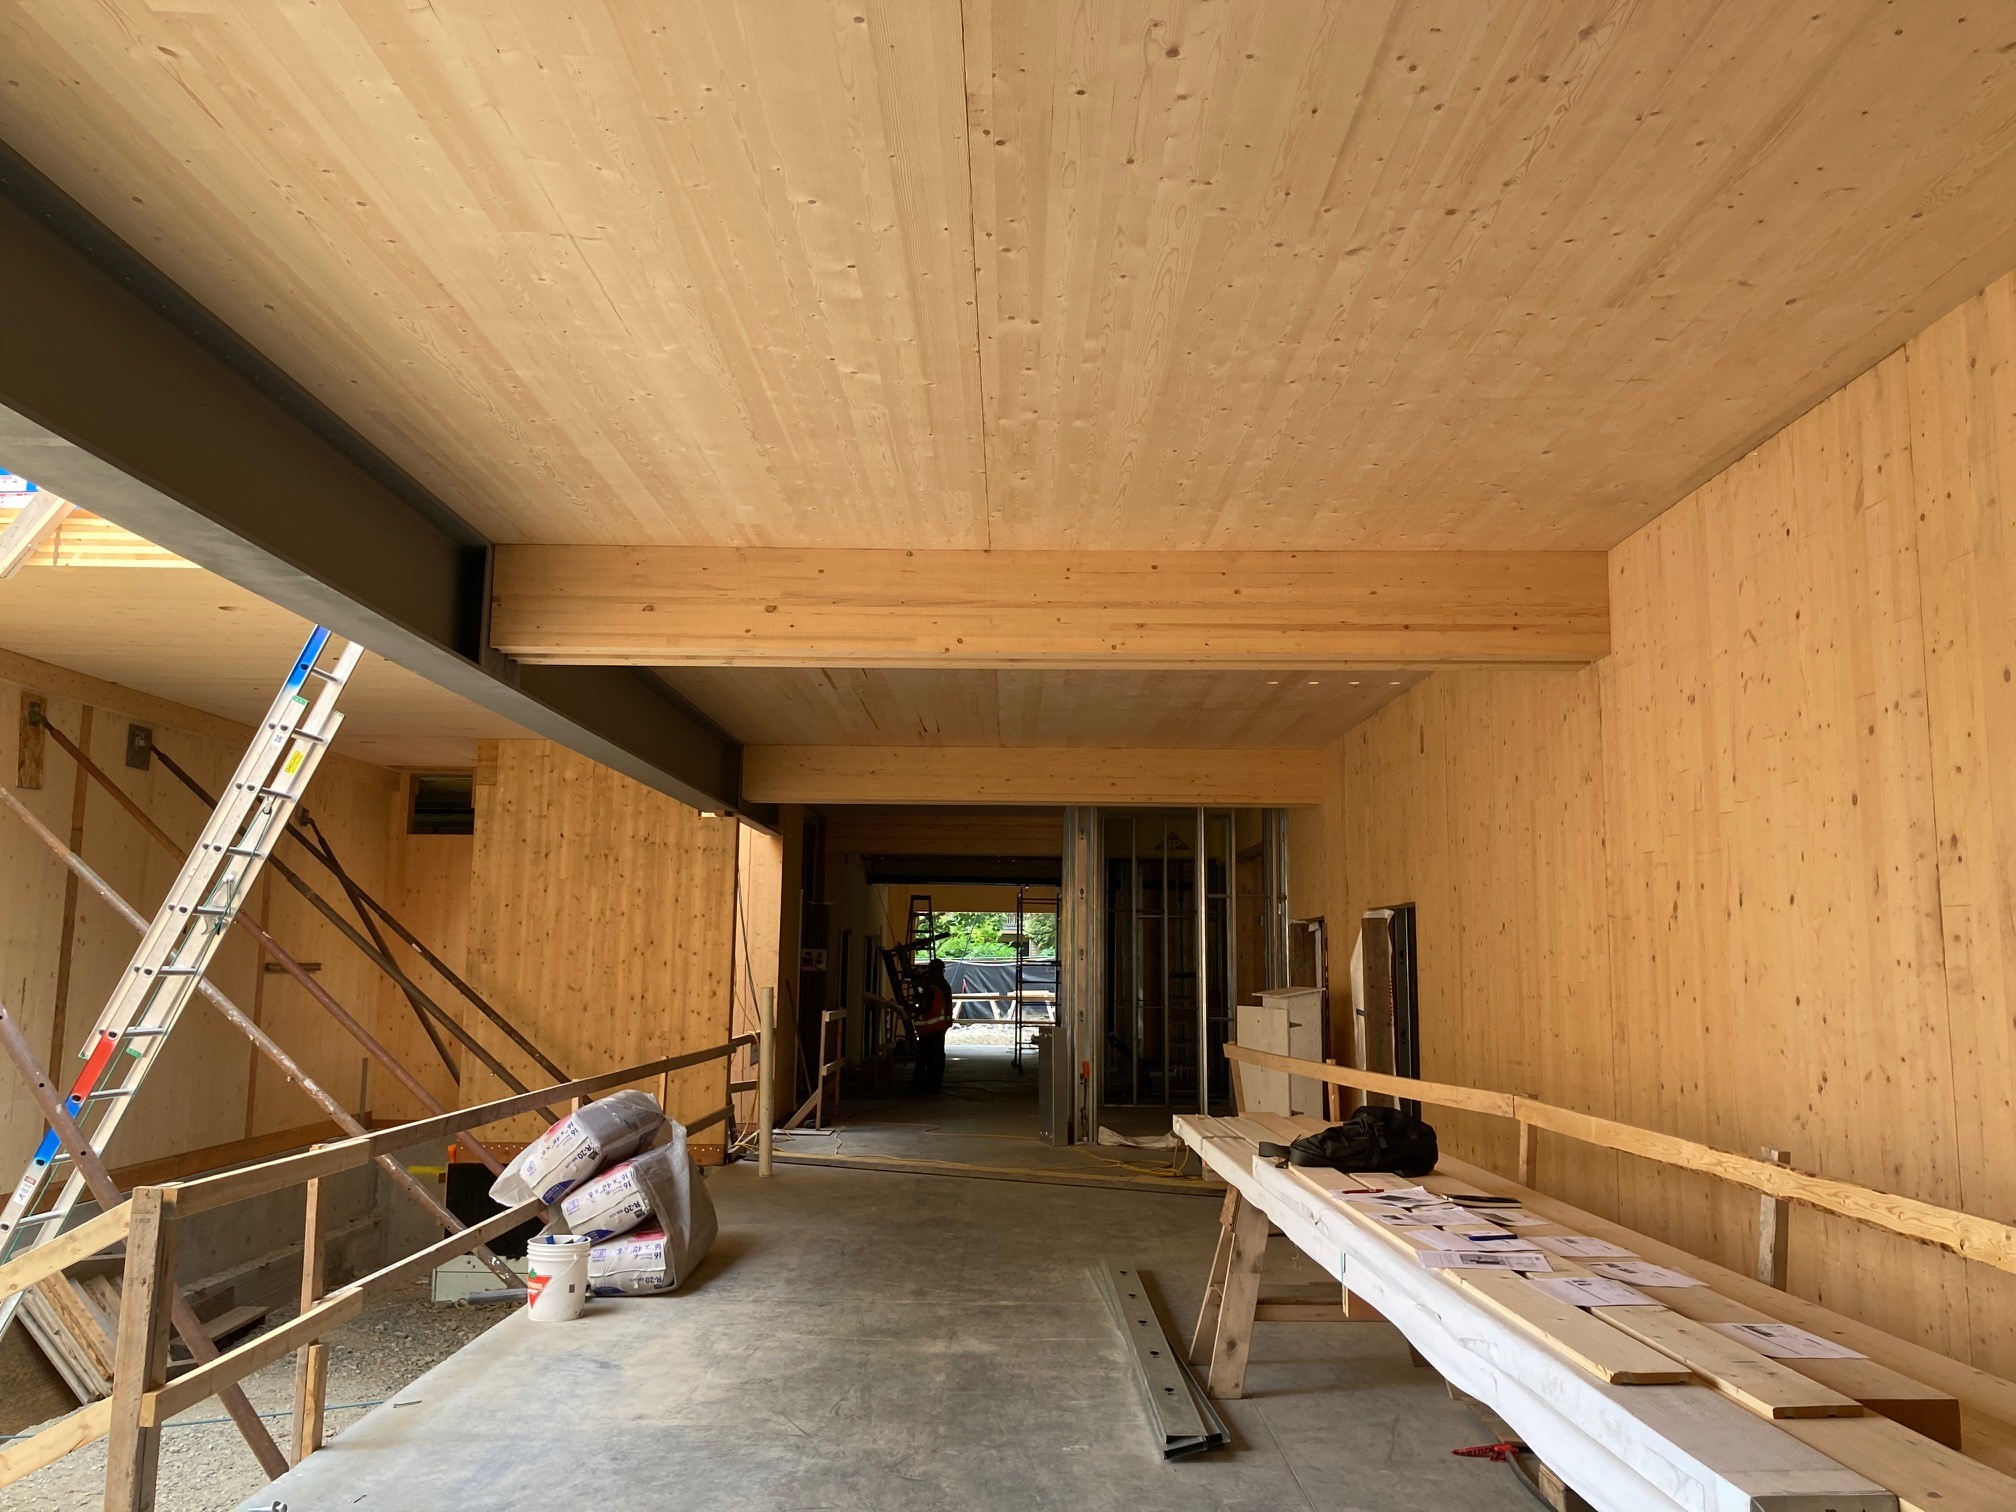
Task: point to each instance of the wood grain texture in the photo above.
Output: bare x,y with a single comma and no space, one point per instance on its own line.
881,706
195,640
601,919
82,539
1028,274
670,606
1752,881
942,775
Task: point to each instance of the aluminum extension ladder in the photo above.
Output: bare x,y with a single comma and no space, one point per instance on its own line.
177,948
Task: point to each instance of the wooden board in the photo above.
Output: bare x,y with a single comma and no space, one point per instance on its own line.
1927,1477
1640,1446
1988,1403
677,606
1766,1386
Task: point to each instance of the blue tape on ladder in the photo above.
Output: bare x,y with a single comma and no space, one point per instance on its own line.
317,639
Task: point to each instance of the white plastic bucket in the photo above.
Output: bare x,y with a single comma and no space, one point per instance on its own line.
559,1279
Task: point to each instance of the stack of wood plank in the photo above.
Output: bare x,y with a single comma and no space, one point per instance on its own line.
1668,1394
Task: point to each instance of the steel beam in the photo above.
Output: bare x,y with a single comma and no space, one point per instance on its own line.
122,393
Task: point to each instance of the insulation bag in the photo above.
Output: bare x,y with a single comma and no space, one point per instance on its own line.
578,1146
626,1194
657,1259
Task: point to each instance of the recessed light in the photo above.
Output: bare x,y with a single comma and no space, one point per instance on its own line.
1273,682
1312,682
1396,682
1355,683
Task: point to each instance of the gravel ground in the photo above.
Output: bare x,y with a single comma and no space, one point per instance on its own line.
205,1466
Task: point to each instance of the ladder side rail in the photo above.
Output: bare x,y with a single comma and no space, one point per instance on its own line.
297,731
268,749
160,1014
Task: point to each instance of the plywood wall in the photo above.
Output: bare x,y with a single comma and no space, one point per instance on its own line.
61,949
601,919
1752,879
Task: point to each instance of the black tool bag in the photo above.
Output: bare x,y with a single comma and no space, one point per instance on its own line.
1372,1139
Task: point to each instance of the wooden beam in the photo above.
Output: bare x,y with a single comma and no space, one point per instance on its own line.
1001,774
674,606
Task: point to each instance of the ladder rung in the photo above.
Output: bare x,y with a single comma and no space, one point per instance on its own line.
142,1031
176,970
108,1094
214,910
243,850
327,676
310,735
54,1215
273,792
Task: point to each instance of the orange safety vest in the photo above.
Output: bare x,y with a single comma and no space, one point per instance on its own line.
936,1014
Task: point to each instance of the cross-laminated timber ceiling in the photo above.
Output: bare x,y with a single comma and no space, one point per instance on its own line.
1031,274
780,706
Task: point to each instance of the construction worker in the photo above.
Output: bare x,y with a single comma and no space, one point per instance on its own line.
934,1017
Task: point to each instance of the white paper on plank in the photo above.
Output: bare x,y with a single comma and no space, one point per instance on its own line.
1781,1341
1643,1273
1590,1291
1582,1246
1498,1260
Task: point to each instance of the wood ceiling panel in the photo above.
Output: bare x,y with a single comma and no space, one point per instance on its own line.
615,271
1429,274
1143,274
192,637
1035,710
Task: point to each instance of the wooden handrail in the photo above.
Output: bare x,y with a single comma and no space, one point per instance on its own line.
101,1233
207,1192
130,1417
1964,1234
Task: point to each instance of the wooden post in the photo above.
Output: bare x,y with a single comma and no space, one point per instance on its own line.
1529,1153
311,1363
766,1081
1774,1226
140,1358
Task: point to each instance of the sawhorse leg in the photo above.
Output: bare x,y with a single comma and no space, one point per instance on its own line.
1214,1286
1233,1336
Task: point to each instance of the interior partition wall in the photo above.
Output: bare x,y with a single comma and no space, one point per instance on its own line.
1194,909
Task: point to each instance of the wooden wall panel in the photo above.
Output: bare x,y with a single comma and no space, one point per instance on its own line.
1499,844
1752,879
759,893
208,1090
601,918
428,882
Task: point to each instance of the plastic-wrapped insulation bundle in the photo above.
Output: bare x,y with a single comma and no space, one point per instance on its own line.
643,1261
578,1146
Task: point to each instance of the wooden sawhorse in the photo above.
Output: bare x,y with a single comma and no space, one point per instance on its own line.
1233,1304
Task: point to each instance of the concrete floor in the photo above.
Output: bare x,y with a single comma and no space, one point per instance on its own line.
868,1340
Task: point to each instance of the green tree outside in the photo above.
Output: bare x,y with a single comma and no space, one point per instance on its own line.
978,936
